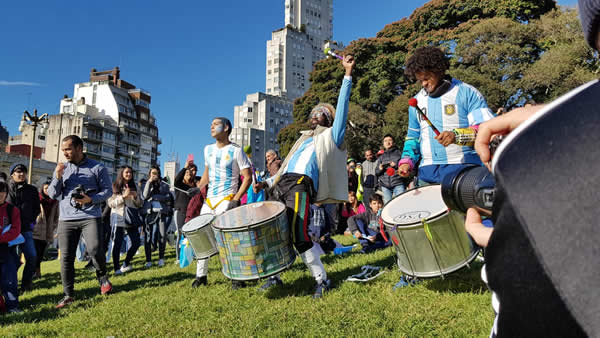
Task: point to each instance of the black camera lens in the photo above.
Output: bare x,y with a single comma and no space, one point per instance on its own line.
470,187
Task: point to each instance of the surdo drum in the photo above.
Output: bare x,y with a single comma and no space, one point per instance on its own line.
430,239
200,235
254,241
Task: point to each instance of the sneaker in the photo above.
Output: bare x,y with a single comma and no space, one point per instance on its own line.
161,263
199,281
90,266
66,301
236,285
368,273
126,268
177,262
272,281
148,265
321,288
105,287
118,272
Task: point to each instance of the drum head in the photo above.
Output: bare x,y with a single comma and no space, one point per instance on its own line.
197,222
247,215
412,206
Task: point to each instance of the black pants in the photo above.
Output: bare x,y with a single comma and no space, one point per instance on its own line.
296,192
118,235
40,248
69,233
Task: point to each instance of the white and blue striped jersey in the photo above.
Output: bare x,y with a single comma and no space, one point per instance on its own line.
460,107
224,167
304,162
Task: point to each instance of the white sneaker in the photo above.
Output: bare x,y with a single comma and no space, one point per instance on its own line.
126,268
161,263
148,265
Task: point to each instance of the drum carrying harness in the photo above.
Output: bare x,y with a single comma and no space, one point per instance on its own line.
226,198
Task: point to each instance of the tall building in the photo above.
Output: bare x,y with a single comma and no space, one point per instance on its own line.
294,49
114,120
170,171
258,121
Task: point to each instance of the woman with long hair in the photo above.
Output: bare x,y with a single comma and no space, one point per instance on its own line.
45,226
157,195
125,193
185,189
349,209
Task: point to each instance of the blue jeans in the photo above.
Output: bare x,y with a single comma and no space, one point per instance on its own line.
388,194
8,279
28,249
118,234
365,243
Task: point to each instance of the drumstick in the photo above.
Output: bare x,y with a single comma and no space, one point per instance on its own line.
413,103
328,51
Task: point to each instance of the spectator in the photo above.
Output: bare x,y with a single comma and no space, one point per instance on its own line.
368,176
157,197
25,197
185,189
273,162
365,226
389,181
80,185
352,175
125,194
196,203
10,230
45,226
349,209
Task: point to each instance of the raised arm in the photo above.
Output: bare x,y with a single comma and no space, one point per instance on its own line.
338,129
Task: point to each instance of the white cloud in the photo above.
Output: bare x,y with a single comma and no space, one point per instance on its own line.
18,83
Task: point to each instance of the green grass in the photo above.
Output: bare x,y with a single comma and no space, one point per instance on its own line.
161,302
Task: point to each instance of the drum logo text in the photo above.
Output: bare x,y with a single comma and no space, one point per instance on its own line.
411,217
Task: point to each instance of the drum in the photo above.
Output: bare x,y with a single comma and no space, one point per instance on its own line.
254,241
430,239
200,235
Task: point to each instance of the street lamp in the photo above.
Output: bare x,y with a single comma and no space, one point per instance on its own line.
34,120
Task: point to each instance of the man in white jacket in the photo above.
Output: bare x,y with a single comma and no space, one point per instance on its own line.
314,172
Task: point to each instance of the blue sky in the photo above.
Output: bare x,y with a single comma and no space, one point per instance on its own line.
198,60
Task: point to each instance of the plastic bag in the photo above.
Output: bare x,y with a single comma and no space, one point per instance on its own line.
186,253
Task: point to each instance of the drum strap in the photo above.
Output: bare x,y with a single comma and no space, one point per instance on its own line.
226,198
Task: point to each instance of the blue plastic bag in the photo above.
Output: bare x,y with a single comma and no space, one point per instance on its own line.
186,253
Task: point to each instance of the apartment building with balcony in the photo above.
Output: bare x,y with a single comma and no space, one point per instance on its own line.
113,117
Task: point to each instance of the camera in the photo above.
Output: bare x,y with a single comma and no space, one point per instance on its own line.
473,186
78,193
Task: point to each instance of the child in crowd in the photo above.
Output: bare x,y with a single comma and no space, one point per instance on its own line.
365,226
349,209
10,229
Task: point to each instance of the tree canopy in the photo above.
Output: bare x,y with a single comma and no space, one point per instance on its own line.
512,51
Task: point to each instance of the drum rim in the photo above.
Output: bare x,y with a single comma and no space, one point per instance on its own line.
243,227
430,218
413,224
211,220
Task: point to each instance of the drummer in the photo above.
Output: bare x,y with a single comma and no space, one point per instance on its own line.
455,109
313,172
224,162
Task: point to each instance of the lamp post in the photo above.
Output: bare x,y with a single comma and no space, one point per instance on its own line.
34,120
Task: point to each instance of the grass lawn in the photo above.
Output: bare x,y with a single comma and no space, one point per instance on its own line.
161,302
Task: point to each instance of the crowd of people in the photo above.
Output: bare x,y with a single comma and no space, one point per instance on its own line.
442,130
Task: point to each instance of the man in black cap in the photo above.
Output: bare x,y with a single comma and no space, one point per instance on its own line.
541,256
25,197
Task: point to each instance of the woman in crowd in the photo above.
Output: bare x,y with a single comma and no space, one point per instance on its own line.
45,226
185,189
349,209
157,195
124,194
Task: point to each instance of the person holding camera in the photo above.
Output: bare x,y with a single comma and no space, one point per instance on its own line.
25,197
157,196
386,166
124,199
453,107
81,185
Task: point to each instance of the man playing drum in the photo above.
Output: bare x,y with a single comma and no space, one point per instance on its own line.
453,107
313,172
224,162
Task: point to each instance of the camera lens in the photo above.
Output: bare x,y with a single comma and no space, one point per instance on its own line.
470,187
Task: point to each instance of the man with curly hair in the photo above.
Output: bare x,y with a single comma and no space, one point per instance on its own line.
455,109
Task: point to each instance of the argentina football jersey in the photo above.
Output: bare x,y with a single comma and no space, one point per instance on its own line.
224,166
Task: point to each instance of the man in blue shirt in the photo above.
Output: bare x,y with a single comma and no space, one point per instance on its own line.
80,186
314,172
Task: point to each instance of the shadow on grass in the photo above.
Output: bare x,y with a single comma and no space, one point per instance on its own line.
465,280
36,309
